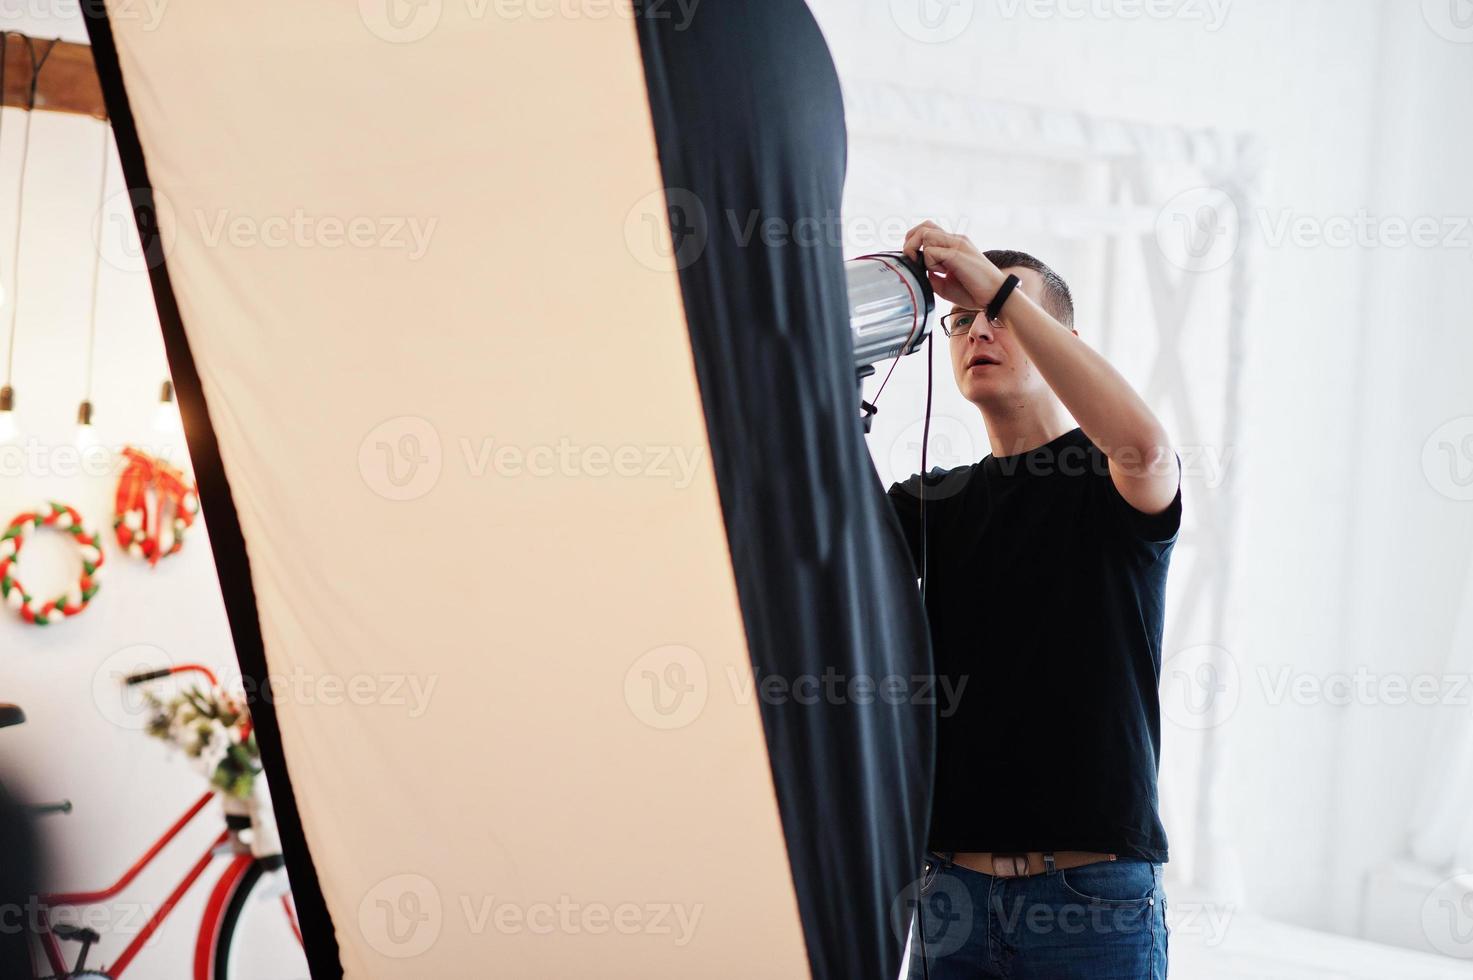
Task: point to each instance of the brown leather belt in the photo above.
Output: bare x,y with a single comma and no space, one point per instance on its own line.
1025,865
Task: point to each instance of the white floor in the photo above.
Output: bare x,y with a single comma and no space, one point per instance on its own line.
1264,950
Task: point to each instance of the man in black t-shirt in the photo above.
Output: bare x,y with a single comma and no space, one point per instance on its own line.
1045,567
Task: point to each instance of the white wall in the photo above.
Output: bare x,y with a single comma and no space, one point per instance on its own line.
1345,556
79,741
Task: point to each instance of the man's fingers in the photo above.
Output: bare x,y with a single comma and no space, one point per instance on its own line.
937,255
912,237
926,234
924,238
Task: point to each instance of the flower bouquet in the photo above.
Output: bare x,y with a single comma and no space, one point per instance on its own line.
207,726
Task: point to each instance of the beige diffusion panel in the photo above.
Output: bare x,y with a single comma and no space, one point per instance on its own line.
457,410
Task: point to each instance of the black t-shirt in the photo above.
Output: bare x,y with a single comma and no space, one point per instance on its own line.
1045,594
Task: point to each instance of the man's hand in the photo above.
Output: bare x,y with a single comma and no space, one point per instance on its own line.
1143,466
959,272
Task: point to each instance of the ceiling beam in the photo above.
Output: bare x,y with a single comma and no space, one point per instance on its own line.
68,79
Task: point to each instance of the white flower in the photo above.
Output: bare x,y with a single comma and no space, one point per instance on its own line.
212,753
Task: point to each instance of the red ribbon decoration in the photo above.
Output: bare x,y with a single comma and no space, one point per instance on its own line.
174,496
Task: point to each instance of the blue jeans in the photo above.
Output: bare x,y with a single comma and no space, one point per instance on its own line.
1103,921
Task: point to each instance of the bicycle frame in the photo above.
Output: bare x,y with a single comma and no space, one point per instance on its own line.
51,945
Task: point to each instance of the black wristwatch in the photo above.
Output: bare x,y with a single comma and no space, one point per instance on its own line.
994,309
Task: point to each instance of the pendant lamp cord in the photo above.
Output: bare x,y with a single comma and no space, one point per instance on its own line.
97,255
20,190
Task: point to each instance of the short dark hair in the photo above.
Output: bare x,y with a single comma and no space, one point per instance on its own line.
1056,297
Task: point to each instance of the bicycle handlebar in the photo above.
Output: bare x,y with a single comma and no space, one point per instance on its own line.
143,677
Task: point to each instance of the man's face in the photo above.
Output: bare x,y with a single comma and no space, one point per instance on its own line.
990,367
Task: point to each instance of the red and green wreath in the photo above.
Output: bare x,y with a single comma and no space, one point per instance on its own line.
58,517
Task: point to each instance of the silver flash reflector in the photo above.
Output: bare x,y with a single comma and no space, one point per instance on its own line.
890,304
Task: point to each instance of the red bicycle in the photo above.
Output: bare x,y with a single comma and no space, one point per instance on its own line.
249,930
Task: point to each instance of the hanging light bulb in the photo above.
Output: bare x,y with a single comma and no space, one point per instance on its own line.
7,414
86,434
166,415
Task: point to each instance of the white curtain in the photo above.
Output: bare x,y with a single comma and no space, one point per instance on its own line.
1083,193
1443,835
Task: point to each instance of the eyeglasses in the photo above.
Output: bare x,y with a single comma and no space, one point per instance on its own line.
959,322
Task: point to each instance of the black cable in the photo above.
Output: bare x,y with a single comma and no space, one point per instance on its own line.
925,442
920,321
36,67
921,932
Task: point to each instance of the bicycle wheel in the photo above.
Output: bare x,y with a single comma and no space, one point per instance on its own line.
255,936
